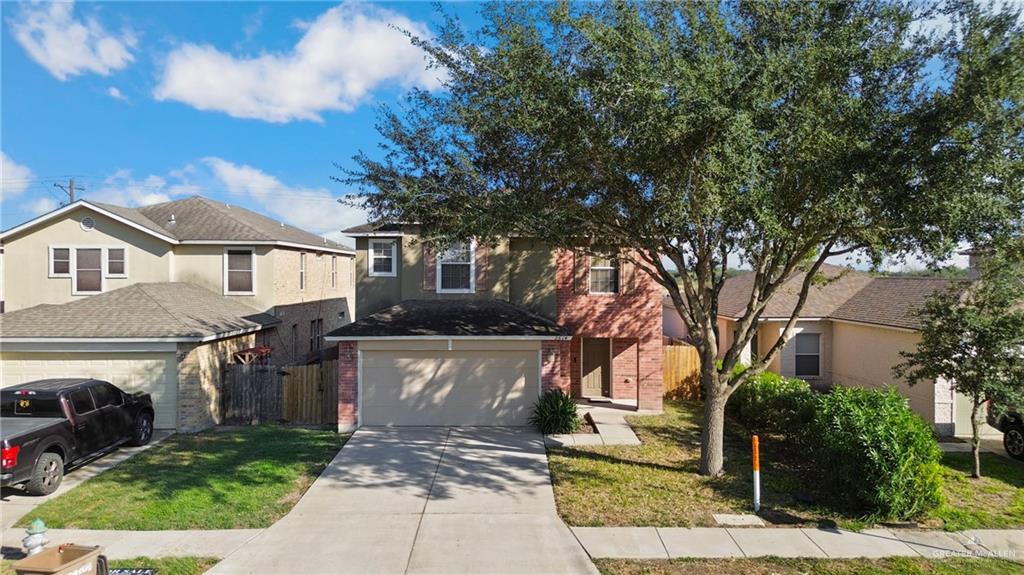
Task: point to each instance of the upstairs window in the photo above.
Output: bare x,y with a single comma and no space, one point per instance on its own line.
455,269
302,271
116,263
60,262
334,271
88,277
604,274
808,355
382,258
316,330
239,264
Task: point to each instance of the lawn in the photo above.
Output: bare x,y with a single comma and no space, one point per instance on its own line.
162,565
657,484
775,566
244,478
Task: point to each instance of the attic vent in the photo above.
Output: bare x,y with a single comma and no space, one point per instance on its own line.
88,224
171,219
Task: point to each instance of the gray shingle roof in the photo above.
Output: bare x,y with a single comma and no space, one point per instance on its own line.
143,310
852,296
374,229
461,317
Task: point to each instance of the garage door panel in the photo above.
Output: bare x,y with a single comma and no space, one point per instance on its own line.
154,373
449,388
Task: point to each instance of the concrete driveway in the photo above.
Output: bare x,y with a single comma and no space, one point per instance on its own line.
423,500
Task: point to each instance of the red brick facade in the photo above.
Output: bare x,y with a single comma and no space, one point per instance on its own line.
630,318
348,385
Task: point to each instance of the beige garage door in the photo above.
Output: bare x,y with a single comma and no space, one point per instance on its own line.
155,373
449,387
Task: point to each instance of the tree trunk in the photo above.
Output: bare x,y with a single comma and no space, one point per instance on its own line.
976,437
713,432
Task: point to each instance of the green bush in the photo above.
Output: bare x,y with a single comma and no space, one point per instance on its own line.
877,456
555,412
770,403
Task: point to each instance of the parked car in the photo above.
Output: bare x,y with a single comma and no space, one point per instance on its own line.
1011,424
51,424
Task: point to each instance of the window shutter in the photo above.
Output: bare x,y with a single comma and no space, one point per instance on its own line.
581,270
429,267
480,263
627,273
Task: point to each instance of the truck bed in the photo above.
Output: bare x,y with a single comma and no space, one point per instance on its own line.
11,427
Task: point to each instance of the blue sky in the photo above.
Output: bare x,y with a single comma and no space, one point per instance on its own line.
251,103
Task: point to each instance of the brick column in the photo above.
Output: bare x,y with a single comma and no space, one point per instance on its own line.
651,383
555,365
348,386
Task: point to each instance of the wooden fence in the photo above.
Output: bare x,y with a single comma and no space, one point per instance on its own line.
301,394
681,371
311,394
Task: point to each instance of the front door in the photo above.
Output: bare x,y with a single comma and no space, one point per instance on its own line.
596,367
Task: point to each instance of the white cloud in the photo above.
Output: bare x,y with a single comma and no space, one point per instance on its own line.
124,190
66,46
343,55
312,209
116,94
41,205
14,178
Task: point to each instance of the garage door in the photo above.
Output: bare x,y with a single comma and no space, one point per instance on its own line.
449,387
155,373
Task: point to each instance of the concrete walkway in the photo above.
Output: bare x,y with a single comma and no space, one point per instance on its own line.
15,503
610,423
422,500
672,542
127,544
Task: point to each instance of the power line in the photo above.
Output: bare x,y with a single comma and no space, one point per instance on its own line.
69,190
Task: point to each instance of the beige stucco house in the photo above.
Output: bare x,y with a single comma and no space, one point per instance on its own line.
296,285
851,332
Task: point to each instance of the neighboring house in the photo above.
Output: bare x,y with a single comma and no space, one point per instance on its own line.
88,250
472,335
851,332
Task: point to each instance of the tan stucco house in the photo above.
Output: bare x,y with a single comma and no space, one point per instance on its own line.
851,332
77,281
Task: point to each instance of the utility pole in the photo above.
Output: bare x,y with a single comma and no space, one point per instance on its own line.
69,189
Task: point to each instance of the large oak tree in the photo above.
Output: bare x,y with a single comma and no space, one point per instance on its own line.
778,133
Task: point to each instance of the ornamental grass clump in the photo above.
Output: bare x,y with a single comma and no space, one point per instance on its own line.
555,412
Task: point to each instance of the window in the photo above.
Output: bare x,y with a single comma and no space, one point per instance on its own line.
106,394
316,329
88,277
81,400
755,353
116,263
455,269
382,258
302,271
60,262
808,355
334,271
238,271
295,341
604,274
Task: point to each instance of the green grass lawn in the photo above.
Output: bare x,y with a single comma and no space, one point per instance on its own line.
163,565
657,483
245,478
774,566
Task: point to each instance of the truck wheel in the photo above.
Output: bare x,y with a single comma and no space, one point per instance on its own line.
143,430
1013,441
47,475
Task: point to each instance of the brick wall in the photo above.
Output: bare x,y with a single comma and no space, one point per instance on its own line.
555,357
200,368
633,314
625,366
348,385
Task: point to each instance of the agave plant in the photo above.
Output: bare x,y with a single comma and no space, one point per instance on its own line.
555,412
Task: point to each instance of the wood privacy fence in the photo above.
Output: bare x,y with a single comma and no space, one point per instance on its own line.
302,394
681,371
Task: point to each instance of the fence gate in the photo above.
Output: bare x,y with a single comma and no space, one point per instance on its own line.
681,371
250,394
310,394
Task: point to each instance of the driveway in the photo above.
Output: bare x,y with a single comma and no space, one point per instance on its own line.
423,500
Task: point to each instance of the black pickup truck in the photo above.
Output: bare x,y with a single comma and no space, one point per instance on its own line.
1011,423
51,424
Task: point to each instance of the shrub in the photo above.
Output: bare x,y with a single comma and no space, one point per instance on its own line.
770,403
877,456
555,412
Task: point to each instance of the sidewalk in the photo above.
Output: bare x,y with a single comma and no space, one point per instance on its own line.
127,544
711,542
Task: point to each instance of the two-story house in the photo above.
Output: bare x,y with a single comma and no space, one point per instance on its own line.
473,334
158,298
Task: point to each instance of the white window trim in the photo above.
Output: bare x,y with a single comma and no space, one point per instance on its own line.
106,262
49,261
472,272
394,259
252,251
334,272
74,270
797,354
302,271
590,283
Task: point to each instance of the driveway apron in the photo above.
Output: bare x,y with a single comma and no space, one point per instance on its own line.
423,500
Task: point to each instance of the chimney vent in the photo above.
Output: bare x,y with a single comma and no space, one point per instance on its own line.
171,219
